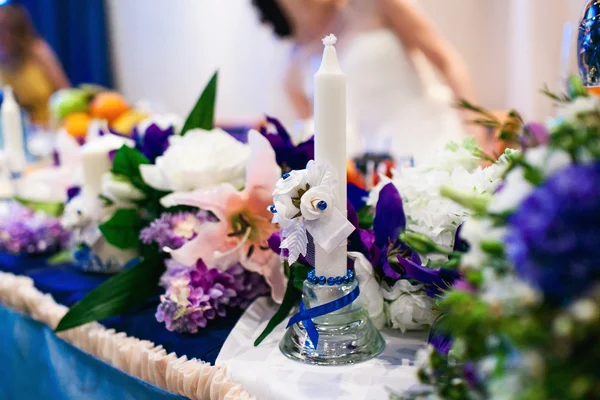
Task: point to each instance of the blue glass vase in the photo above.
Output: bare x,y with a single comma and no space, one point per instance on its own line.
588,45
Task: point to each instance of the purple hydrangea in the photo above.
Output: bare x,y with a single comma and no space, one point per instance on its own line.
198,294
23,231
174,230
553,238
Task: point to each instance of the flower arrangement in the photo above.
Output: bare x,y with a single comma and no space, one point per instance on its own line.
398,276
523,320
23,231
192,203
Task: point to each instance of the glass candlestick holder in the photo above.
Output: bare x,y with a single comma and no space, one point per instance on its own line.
345,336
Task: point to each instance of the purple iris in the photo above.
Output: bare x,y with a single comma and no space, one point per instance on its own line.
389,222
553,238
435,281
289,157
357,196
362,240
153,141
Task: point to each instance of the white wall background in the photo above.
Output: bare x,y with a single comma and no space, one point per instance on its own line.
165,51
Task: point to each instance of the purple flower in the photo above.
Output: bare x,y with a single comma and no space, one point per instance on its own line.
534,134
435,281
289,157
440,341
553,238
460,245
357,196
196,295
174,230
73,192
389,222
24,232
153,141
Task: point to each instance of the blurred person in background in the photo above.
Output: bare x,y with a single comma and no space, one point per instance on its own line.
387,49
28,64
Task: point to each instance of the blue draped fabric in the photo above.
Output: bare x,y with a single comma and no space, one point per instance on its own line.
77,31
67,285
36,364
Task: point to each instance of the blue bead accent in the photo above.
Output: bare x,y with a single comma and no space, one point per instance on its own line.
331,281
322,205
273,209
285,176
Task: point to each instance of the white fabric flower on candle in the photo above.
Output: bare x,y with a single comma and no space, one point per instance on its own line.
285,208
198,160
317,203
290,183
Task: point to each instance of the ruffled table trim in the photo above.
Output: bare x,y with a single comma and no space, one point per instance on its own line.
193,378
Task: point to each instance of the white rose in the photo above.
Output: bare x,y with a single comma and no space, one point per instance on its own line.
290,184
284,207
198,160
411,312
119,189
317,202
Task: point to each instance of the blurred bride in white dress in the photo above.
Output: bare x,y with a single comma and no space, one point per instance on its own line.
387,48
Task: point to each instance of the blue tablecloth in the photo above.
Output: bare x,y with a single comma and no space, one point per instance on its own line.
33,356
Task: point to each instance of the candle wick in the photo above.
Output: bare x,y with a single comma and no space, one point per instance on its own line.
329,40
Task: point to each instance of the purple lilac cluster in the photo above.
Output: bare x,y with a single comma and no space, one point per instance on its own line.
23,231
196,295
174,230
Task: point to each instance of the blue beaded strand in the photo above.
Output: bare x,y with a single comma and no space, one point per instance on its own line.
331,281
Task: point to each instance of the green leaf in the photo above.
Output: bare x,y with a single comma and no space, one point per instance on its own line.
123,228
365,217
127,163
63,257
203,114
299,272
121,293
53,209
289,299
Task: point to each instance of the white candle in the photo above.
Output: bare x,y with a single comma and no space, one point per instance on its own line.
96,161
12,132
330,144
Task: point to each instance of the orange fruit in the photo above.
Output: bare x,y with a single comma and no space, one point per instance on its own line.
354,175
108,106
76,124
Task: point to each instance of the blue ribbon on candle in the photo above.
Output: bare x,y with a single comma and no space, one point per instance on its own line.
306,315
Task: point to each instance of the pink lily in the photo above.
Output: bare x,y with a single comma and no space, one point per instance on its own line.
244,225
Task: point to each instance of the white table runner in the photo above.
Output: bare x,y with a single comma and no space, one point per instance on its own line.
269,375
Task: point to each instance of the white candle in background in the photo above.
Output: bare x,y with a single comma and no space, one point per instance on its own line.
330,144
12,132
96,161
